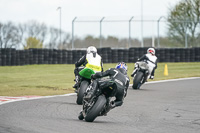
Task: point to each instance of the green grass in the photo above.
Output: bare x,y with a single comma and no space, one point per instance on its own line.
58,79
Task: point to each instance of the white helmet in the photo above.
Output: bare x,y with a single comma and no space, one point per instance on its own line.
91,49
151,51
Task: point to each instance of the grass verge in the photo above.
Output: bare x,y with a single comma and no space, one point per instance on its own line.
58,79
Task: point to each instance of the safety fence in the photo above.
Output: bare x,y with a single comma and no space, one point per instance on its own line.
13,57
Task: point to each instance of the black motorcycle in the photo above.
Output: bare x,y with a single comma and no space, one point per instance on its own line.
141,75
99,104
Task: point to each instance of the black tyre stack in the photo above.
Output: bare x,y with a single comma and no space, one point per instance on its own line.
3,57
187,55
30,52
172,55
8,57
99,51
142,51
70,57
0,58
22,57
40,56
161,57
109,52
197,54
13,57
126,55
64,56
55,53
183,55
158,54
46,56
74,56
79,54
192,55
35,56
120,55
27,58
17,58
177,54
59,56
50,58
138,52
106,55
114,55
132,57
167,55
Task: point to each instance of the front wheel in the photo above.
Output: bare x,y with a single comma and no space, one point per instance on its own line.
82,89
137,80
96,109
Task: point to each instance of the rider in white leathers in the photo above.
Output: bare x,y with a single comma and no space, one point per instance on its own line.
90,60
151,59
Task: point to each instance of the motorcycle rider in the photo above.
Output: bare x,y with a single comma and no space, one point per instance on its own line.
90,60
151,60
121,82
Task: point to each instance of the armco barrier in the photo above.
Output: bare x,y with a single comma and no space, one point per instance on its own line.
13,57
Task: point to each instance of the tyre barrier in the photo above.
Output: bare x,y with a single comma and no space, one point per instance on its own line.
13,57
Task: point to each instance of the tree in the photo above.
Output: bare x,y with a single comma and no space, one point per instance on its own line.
32,42
54,38
66,41
112,41
32,29
91,41
9,37
183,20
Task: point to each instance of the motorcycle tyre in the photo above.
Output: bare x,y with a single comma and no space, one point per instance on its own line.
96,109
80,95
137,80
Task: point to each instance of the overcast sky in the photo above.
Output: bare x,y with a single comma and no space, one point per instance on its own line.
44,11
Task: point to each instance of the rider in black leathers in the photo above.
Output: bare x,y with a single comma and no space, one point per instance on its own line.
120,78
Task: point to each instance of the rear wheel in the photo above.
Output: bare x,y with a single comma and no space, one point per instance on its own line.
96,109
83,87
137,80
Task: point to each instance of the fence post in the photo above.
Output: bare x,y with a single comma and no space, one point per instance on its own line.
129,39
158,39
73,32
100,32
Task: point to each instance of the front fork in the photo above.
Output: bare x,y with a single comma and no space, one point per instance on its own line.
146,73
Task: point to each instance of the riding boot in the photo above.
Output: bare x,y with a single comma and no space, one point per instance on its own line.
111,105
76,83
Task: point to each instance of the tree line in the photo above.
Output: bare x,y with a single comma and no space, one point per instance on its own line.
31,35
183,24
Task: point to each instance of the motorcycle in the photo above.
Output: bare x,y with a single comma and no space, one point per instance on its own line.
99,104
85,80
141,75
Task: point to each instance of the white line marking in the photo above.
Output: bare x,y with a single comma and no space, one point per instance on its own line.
169,80
23,99
33,98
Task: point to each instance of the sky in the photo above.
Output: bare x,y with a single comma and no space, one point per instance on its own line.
45,11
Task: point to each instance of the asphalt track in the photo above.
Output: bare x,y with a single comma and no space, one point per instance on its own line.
165,107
